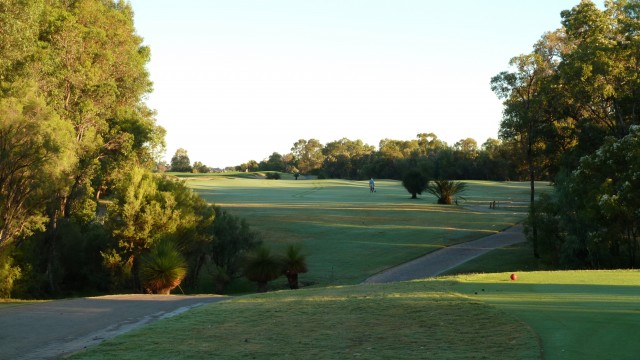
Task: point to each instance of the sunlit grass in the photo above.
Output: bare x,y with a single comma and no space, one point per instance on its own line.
552,315
518,257
396,321
349,233
578,314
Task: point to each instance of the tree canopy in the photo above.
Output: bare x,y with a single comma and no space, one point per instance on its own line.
571,103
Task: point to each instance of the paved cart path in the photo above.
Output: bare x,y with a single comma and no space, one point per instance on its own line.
48,330
439,261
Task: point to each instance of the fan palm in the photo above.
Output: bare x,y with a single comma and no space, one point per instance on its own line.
294,262
163,268
262,267
446,190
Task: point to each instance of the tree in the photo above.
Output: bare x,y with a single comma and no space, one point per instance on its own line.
193,235
148,208
345,158
249,166
180,161
233,239
578,87
262,267
308,155
593,215
200,168
35,151
90,66
446,190
522,116
430,144
275,162
415,183
294,262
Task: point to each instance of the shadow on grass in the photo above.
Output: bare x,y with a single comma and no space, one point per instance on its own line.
574,321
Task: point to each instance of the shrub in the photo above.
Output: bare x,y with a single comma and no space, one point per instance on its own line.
415,182
446,190
273,175
262,267
163,268
294,262
8,275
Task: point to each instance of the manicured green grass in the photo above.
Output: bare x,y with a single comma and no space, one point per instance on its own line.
349,233
555,315
420,320
518,257
552,315
577,314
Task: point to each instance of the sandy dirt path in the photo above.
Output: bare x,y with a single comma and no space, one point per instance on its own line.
49,330
437,262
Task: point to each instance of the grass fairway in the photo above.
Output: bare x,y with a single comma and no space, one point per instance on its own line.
349,233
552,315
517,257
577,314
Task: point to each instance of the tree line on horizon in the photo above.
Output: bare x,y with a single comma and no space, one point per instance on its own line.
352,159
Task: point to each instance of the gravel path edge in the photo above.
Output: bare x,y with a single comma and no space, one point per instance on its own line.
437,262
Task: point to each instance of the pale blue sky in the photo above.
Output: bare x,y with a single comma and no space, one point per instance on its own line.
236,80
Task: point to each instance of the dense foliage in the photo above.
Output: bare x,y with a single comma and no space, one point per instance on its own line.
353,159
79,205
572,105
415,182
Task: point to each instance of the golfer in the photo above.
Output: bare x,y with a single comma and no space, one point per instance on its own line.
372,185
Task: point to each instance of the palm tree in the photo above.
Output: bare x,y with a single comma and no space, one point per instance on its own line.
294,262
445,190
163,268
262,267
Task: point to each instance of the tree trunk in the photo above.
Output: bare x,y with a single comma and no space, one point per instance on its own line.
51,236
532,177
293,281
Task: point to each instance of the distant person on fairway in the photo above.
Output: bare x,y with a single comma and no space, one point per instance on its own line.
372,186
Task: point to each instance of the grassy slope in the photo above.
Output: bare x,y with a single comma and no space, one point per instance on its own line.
518,257
349,233
397,321
576,314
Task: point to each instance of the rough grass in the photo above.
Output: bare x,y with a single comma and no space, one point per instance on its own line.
395,321
350,234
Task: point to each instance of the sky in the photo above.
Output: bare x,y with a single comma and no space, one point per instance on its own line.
237,80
